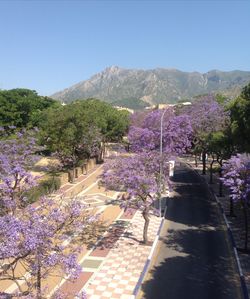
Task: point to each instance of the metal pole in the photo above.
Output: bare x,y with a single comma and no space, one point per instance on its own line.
161,160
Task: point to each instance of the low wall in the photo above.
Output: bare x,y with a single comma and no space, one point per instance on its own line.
64,177
78,187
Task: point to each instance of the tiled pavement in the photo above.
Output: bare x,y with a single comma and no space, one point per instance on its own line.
95,199
236,223
113,267
118,274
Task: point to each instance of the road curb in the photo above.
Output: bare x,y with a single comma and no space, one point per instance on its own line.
242,277
146,266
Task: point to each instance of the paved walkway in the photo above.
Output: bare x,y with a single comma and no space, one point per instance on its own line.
112,268
87,184
123,264
236,223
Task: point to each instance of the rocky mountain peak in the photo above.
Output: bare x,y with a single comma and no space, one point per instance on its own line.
154,86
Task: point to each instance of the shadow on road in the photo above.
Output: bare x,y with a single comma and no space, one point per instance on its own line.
195,259
191,272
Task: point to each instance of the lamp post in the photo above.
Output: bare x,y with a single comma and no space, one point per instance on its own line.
161,160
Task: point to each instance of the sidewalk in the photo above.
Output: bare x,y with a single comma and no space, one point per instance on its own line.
120,270
236,223
113,267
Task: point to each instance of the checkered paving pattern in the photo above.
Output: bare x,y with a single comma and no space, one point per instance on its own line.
95,199
118,275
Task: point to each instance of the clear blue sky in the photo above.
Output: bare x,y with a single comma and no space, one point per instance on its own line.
50,45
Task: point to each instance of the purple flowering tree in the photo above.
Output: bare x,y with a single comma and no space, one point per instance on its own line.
39,238
34,239
138,177
137,118
236,176
176,133
17,155
207,116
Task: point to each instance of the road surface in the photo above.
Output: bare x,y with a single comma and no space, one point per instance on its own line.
194,258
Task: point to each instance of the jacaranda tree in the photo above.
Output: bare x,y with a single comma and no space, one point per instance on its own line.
138,177
236,176
17,155
35,239
207,117
176,132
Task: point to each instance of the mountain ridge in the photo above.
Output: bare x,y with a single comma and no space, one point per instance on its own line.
154,86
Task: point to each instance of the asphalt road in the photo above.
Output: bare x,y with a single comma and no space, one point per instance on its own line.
194,258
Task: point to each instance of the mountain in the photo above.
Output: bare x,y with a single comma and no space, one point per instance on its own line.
155,86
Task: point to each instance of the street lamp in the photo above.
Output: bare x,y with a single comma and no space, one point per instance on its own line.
161,160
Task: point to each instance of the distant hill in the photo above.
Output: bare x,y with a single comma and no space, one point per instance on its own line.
119,85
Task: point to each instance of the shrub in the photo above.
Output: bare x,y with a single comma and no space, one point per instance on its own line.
45,187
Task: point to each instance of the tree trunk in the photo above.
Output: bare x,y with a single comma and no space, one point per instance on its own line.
246,225
220,175
73,174
220,184
145,215
231,208
101,154
203,162
39,281
211,172
196,160
70,176
85,168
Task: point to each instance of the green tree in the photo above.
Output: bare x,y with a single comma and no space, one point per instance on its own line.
78,131
222,99
70,133
220,148
240,116
23,107
112,123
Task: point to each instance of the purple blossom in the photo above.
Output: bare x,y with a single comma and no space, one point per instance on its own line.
207,116
35,234
176,135
236,176
138,176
